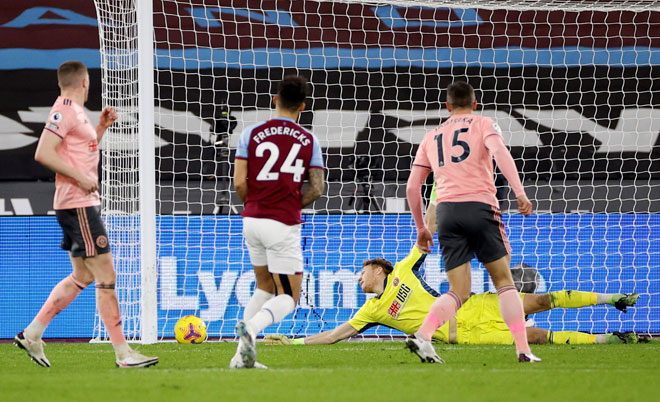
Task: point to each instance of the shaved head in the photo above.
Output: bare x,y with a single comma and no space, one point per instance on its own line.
71,73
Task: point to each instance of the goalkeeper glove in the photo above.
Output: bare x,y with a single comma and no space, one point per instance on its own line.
282,340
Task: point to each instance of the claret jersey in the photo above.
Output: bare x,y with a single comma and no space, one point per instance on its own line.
279,154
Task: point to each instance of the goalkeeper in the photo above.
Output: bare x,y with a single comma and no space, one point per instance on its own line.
403,299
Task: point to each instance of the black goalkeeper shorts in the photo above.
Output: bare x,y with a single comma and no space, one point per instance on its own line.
469,228
83,230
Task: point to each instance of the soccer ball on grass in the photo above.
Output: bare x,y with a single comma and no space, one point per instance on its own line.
190,329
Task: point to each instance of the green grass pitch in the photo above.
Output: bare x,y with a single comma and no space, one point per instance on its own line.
347,371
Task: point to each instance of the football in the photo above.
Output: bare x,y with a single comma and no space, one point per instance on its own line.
190,329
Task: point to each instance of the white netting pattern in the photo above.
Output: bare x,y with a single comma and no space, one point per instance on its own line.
570,83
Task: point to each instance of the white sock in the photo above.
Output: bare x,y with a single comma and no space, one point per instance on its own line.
273,311
259,297
121,350
35,330
601,338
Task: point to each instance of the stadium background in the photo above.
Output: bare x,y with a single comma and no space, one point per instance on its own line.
617,245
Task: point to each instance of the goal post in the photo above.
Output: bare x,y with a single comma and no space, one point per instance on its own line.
572,85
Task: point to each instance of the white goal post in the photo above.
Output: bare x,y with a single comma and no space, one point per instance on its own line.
573,84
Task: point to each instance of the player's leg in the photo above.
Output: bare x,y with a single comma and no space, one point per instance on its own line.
60,297
535,303
445,306
456,254
263,291
280,306
102,267
511,306
276,246
98,261
490,243
63,293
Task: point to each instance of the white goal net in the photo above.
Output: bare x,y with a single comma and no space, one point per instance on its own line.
573,85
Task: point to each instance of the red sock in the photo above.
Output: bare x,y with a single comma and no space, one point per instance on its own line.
514,316
60,297
442,309
106,302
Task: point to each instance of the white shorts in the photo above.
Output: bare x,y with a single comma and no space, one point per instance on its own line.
274,244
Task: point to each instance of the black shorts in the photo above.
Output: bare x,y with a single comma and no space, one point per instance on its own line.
83,230
469,228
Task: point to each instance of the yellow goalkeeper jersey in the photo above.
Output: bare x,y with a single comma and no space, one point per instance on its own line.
404,303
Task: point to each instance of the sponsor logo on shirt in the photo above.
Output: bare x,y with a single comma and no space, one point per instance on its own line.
52,126
93,146
400,301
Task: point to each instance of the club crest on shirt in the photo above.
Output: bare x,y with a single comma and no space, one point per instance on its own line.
400,301
395,282
56,117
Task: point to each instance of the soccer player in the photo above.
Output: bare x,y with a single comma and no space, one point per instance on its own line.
460,153
273,158
69,146
403,298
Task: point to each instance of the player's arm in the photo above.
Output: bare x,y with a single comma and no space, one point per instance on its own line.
47,155
108,116
240,178
430,216
505,162
316,186
333,336
414,195
324,338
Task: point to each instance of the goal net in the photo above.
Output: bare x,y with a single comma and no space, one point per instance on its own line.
571,84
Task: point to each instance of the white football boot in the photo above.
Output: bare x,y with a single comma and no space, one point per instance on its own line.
34,349
247,347
528,358
135,359
237,363
423,348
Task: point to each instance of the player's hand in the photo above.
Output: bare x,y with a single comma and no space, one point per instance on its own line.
88,184
424,240
525,206
277,340
108,117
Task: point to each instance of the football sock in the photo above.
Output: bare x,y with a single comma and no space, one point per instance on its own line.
573,338
106,303
512,312
574,299
259,297
442,309
121,350
274,310
61,296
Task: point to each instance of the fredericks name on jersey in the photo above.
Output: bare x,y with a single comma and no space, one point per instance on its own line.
280,130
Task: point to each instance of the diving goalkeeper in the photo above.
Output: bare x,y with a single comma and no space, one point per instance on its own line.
403,299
